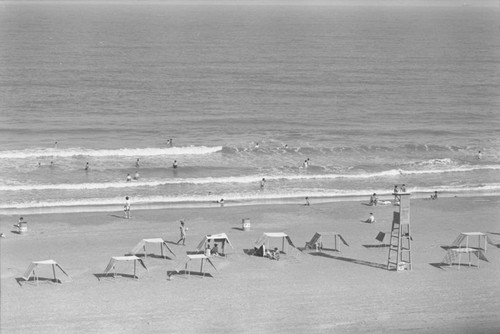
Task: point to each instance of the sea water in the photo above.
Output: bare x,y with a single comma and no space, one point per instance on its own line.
372,96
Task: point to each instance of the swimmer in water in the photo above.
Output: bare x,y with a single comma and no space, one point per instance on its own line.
174,165
262,183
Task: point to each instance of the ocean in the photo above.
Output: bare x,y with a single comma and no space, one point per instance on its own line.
372,96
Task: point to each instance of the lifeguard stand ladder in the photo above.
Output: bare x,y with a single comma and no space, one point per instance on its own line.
399,257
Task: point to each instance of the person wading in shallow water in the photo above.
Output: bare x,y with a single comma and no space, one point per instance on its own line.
126,208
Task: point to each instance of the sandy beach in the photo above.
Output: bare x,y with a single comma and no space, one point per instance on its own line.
345,292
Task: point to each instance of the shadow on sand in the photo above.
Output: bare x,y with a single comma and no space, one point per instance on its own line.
33,280
112,276
361,262
117,216
377,246
187,274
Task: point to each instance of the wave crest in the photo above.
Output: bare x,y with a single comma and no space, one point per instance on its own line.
125,152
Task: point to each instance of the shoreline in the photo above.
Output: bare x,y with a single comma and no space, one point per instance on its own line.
232,203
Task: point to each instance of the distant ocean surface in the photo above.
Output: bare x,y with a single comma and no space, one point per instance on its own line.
373,96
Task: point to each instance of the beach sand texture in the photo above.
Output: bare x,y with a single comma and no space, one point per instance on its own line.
347,292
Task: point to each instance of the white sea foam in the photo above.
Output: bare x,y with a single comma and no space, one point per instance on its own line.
241,198
235,179
126,152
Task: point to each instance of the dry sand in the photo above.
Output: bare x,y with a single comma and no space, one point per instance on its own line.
347,292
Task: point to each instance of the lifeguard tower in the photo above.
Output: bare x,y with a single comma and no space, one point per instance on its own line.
399,257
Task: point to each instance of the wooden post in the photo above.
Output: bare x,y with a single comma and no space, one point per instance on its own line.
54,272
135,265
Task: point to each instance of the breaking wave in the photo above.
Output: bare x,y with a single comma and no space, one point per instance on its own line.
125,152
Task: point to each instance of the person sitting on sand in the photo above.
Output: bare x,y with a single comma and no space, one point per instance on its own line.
215,250
373,199
19,223
275,254
129,178
136,176
435,196
371,219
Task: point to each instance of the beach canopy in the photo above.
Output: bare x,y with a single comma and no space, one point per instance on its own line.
31,270
453,253
472,240
319,238
202,257
117,259
264,241
142,246
216,238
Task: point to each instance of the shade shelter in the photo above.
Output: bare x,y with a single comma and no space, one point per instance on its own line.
454,253
31,270
220,238
202,257
319,239
117,259
142,246
270,239
476,240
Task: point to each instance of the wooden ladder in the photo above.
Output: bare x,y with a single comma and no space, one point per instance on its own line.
399,257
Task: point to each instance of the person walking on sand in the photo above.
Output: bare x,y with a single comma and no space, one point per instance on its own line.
137,163
183,230
307,202
479,155
126,208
